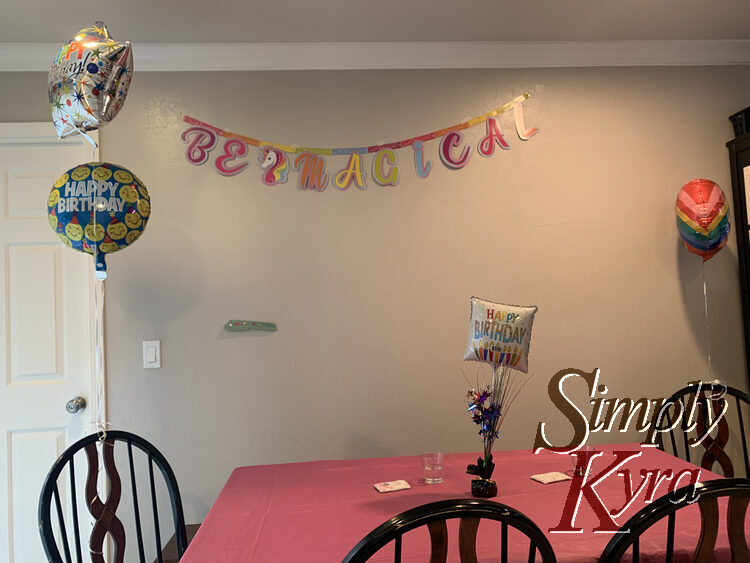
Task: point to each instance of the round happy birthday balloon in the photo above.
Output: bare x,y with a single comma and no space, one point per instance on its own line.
500,334
702,219
98,208
89,80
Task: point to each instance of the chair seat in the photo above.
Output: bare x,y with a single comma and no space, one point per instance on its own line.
169,553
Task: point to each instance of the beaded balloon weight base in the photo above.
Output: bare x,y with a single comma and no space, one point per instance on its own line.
483,488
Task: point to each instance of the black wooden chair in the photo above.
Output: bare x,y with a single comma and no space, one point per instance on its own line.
63,532
434,516
711,400
738,492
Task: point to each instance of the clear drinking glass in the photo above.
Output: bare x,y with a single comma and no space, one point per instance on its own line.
578,469
432,463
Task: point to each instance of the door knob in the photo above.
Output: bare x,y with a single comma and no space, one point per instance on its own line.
75,404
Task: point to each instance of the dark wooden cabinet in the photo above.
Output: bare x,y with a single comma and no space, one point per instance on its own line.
739,160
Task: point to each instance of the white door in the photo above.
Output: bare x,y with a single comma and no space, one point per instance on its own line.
46,330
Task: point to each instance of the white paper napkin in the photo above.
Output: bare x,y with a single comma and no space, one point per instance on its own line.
552,477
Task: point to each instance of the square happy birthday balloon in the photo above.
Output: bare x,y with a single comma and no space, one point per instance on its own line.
89,80
500,334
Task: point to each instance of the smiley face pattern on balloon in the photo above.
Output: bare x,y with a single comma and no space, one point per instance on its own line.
500,334
89,80
98,208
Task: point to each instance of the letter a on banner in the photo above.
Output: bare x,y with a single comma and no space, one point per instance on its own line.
486,146
352,173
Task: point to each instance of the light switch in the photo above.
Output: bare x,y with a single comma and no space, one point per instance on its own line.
151,354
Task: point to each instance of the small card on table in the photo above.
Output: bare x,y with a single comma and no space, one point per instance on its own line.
551,477
388,486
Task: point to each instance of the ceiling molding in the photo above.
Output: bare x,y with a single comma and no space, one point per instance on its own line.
160,57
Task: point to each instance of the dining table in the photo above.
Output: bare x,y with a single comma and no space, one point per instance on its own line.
317,511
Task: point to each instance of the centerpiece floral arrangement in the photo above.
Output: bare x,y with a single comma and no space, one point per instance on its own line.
499,334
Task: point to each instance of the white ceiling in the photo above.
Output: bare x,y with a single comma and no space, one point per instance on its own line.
273,21
342,34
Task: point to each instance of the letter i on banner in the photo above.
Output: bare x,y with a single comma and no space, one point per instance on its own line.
423,168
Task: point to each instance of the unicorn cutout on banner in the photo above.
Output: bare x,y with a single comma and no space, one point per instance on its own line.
274,164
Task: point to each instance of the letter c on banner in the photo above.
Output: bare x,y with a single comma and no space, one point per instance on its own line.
451,140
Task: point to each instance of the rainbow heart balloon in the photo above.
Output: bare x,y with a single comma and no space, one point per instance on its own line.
702,219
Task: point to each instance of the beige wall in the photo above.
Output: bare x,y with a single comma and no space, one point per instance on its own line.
371,289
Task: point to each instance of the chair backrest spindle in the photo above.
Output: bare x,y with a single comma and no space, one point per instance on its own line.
683,427
742,433
61,523
74,502
670,537
671,432
136,507
154,507
736,512
532,552
504,543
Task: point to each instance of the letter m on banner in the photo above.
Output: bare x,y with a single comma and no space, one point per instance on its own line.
312,172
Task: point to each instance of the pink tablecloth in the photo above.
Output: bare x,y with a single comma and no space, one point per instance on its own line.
315,512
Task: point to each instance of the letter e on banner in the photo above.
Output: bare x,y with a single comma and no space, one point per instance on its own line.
233,149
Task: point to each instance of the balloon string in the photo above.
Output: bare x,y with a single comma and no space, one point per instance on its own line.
101,425
88,138
708,328
100,422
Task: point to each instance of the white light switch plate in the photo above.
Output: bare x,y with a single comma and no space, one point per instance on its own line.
151,354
